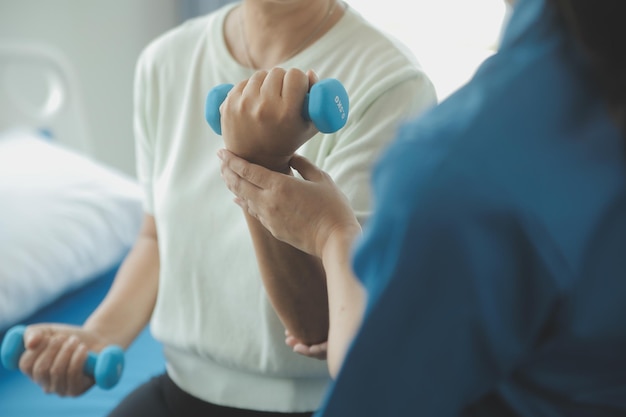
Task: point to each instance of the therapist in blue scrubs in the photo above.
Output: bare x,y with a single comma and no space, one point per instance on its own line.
491,279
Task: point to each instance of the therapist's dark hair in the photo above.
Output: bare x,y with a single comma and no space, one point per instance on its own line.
600,27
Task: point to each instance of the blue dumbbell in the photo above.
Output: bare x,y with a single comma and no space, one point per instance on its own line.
106,367
326,105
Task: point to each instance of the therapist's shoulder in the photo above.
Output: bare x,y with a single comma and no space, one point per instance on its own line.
443,161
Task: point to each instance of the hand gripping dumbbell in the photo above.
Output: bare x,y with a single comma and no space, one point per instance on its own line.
326,105
106,367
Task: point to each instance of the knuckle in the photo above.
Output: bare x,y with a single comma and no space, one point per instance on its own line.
296,73
246,172
242,105
264,110
278,71
234,185
57,369
53,386
259,75
40,370
223,108
26,364
238,86
325,176
56,341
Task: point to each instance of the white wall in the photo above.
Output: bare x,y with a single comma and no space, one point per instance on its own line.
102,40
192,8
450,38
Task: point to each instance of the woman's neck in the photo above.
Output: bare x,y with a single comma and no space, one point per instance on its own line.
265,33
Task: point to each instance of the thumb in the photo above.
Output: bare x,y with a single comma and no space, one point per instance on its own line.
306,168
35,334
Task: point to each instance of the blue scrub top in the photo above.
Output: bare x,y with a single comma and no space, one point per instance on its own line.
495,261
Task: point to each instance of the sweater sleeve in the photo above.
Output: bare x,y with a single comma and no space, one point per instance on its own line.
144,109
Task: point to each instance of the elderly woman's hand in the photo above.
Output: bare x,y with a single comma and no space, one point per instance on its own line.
262,119
55,355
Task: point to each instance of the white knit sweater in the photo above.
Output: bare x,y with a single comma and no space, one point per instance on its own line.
223,341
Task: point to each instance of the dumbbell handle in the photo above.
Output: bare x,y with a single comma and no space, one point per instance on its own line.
326,105
106,367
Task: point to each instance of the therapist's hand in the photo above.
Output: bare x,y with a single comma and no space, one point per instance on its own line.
55,355
304,213
261,117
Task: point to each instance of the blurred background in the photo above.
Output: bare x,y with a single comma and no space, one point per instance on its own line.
97,42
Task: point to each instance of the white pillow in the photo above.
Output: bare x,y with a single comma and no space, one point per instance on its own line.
64,219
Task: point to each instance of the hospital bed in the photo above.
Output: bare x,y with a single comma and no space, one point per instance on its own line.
66,223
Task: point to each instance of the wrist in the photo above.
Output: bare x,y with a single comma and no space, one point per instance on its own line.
339,242
272,162
107,331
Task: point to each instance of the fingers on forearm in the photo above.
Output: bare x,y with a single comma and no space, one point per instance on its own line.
306,168
232,180
244,179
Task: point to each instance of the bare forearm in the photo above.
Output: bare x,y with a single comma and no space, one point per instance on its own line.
295,283
346,299
128,306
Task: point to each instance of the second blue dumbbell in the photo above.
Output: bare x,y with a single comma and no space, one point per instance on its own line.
326,105
105,367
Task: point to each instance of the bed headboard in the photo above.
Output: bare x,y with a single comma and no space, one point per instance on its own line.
39,89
